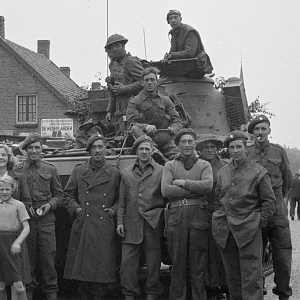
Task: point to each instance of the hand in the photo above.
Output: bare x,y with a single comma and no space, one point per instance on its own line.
166,58
108,79
111,212
46,208
31,212
151,129
108,117
15,247
120,230
172,131
117,88
179,182
78,211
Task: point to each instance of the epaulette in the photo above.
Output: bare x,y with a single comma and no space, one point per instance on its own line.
226,161
47,162
277,145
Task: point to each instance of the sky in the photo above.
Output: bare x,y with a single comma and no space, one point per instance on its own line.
264,35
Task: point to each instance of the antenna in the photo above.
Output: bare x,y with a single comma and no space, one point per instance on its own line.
145,44
107,62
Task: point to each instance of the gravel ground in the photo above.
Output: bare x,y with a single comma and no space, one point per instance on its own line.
295,278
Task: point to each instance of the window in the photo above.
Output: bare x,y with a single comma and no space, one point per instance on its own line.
27,109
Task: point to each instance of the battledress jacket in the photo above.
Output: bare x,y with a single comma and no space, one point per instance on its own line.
127,70
245,200
140,199
92,247
158,110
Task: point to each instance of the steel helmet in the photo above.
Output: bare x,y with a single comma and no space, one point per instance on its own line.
115,38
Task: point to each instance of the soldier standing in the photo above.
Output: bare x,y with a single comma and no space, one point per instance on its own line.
186,180
274,158
91,196
140,221
209,146
46,194
244,203
125,78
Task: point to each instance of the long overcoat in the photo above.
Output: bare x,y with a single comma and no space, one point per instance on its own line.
93,242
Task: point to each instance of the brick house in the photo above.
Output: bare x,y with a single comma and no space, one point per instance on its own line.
32,87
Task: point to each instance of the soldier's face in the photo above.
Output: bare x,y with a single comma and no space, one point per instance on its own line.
144,152
175,21
187,145
209,151
261,132
34,151
237,150
150,83
116,50
98,150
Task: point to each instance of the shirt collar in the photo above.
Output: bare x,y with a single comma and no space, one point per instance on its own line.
264,148
145,96
36,163
137,165
8,202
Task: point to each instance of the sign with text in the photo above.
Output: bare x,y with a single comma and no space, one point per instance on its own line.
56,127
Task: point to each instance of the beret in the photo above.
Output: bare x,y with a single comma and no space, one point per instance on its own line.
202,138
31,138
258,119
93,138
235,135
184,131
139,140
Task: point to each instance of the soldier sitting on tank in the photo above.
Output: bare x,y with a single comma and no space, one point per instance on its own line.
125,78
154,114
186,43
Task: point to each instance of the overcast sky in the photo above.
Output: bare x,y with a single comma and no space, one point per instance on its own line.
266,33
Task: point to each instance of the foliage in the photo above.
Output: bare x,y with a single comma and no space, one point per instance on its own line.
257,108
294,158
82,110
220,83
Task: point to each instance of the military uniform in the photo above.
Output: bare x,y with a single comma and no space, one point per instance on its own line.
274,158
45,187
127,70
158,110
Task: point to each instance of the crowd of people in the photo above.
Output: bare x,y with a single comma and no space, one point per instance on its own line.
217,216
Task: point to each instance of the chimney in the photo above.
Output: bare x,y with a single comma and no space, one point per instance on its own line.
43,47
66,71
96,85
2,27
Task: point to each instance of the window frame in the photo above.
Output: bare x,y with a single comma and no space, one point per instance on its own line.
17,109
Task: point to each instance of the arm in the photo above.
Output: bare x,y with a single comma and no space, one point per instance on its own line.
133,115
56,190
135,70
121,211
175,122
267,199
70,200
286,173
111,107
168,189
16,245
205,184
190,47
217,203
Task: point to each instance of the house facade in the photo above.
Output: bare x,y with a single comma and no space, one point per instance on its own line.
32,87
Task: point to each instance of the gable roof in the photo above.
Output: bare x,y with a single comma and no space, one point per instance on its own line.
46,71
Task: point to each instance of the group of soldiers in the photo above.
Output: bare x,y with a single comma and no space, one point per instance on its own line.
217,216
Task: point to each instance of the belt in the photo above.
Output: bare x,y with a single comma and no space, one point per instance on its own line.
184,202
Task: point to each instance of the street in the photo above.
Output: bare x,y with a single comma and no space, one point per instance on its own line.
295,280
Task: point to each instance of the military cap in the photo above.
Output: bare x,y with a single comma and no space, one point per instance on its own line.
234,136
202,138
258,119
184,131
93,138
173,12
31,138
139,140
115,38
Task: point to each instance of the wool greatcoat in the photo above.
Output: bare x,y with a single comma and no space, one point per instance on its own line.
92,249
